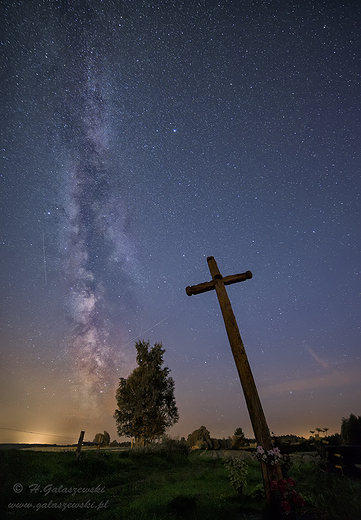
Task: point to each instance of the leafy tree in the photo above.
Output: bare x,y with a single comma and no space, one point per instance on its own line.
98,438
351,430
200,438
106,438
146,403
102,438
334,440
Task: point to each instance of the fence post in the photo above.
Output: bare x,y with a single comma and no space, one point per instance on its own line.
80,442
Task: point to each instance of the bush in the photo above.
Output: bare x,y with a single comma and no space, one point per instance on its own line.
237,470
169,450
200,438
328,495
102,438
173,447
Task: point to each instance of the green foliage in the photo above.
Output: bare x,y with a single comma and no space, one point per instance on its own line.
238,439
106,438
102,438
334,440
351,430
146,403
162,482
98,438
327,494
167,450
200,438
237,470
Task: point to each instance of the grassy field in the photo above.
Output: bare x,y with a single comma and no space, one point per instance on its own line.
165,483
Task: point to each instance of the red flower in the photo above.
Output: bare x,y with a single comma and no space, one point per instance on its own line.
282,486
285,506
298,500
274,485
291,481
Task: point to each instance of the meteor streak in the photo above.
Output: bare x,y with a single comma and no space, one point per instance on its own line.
144,331
45,275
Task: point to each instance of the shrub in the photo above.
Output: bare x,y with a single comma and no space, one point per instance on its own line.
168,450
200,438
237,470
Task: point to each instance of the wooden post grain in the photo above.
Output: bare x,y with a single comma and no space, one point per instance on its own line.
255,410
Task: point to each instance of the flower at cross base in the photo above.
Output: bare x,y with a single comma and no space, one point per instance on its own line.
285,506
272,456
297,499
282,486
260,450
285,497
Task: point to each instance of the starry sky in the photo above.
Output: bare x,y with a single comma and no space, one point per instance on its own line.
137,139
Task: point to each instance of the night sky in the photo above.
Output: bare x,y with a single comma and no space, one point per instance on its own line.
138,138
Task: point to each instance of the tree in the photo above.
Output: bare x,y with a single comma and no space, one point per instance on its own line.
102,438
146,403
106,438
238,439
334,440
200,438
351,430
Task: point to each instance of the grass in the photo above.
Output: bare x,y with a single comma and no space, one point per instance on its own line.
195,487
331,496
164,483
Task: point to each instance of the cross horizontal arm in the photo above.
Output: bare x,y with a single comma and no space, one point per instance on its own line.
209,286
234,278
200,288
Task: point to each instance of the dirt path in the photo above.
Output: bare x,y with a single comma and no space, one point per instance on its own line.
221,454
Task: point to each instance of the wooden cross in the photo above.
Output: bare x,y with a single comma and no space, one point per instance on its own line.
258,419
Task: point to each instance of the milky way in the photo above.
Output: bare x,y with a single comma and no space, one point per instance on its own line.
96,239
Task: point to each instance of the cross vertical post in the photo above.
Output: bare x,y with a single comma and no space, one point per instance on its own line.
255,410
